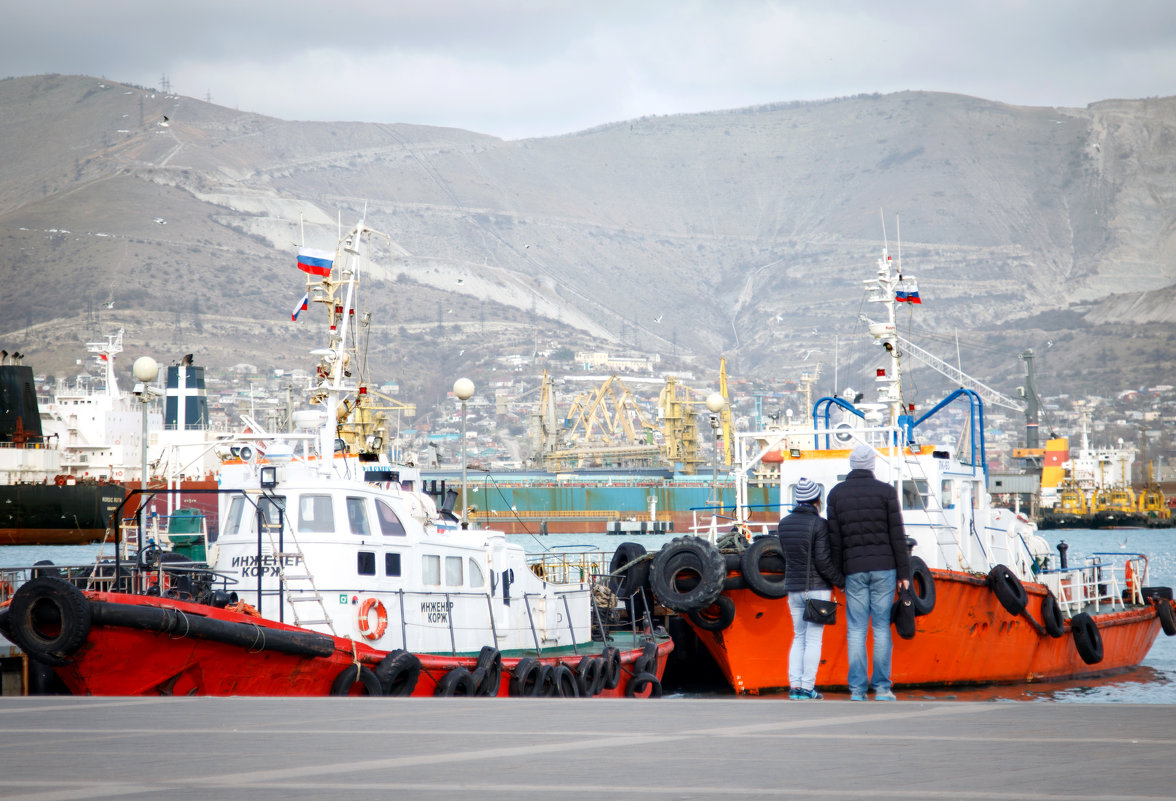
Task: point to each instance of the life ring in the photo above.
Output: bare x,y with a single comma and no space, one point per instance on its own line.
398,672
749,564
1008,589
526,678
457,682
687,574
355,674
59,481
364,621
1087,638
640,683
1051,617
715,617
1167,616
922,587
49,619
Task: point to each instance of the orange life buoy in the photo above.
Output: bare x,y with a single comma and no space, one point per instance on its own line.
59,481
1129,574
364,622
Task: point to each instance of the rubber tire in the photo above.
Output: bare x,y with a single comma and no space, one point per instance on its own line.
1008,589
353,675
752,570
689,556
1087,638
612,667
398,672
922,587
566,685
49,619
635,577
526,678
490,663
1158,592
639,682
1051,617
703,619
590,675
457,682
548,684
1167,617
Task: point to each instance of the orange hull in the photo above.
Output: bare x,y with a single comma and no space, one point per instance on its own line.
968,638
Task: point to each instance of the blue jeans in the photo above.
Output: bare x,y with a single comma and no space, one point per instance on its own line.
805,656
868,598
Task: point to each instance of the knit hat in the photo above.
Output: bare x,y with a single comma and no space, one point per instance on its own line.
806,490
862,458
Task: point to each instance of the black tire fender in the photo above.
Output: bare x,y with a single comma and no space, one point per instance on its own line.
1051,617
715,617
1008,589
49,619
678,564
1166,615
457,682
490,679
635,577
590,675
752,568
922,587
612,667
526,678
1087,638
398,672
566,685
352,675
638,684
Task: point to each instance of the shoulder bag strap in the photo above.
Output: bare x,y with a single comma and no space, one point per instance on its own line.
808,565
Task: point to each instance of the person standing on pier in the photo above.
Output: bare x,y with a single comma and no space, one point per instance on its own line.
869,545
804,537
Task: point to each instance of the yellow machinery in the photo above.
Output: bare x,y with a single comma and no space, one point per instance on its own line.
1071,500
609,429
363,420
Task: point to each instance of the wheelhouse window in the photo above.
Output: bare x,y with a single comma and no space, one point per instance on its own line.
315,514
235,518
477,578
945,494
431,570
390,525
915,494
453,576
391,564
366,564
357,517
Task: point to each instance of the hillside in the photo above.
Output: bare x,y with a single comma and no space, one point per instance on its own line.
743,233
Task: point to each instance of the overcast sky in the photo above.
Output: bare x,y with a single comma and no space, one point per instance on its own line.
522,68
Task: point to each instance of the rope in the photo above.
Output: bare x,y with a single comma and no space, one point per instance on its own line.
260,636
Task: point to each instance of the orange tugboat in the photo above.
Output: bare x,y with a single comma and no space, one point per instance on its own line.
994,604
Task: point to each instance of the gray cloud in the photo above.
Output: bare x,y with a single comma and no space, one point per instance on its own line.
541,67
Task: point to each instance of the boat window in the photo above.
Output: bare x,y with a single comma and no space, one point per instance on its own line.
271,511
315,514
453,571
357,516
477,579
914,493
236,515
367,563
391,564
945,494
431,569
792,492
390,524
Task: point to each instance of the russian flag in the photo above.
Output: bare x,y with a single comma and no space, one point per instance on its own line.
300,307
315,262
907,291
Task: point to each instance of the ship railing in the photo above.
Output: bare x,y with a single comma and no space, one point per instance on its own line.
1096,583
569,567
180,580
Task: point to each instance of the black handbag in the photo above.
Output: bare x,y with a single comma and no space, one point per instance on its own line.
816,610
902,614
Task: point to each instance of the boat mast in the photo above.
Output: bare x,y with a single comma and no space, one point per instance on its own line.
883,289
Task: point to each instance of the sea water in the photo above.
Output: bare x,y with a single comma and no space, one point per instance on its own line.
1153,682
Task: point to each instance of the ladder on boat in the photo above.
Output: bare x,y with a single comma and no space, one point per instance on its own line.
298,587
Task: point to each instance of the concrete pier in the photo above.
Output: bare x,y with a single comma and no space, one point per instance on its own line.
68,749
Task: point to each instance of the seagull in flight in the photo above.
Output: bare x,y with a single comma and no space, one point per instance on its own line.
659,318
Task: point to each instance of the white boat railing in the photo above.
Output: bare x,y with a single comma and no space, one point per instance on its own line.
1101,581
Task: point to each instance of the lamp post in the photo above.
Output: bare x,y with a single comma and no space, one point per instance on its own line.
145,370
463,388
715,403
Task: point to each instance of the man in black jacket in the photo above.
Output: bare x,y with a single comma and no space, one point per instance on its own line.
869,545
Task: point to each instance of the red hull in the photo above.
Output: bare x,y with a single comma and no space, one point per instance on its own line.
968,638
119,660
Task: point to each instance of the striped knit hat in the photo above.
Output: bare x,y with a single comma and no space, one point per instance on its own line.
806,490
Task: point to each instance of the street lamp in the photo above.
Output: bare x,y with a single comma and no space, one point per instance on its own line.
715,402
145,370
463,388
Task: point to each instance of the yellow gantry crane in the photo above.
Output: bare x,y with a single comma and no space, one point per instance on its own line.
607,427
